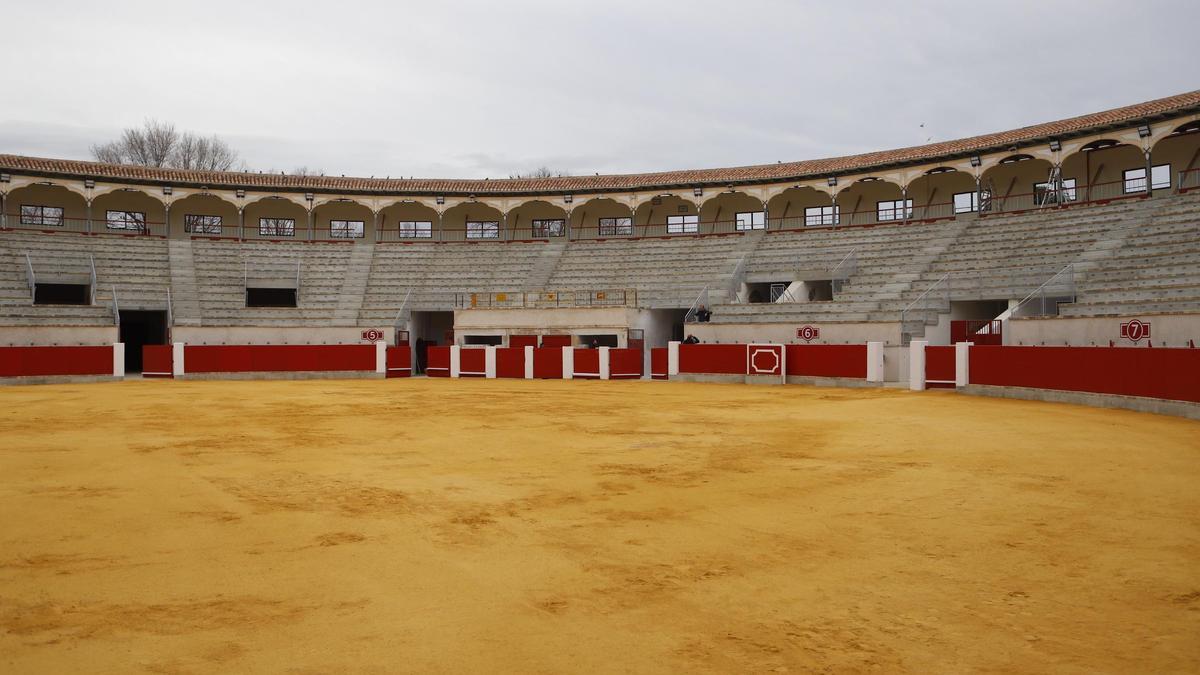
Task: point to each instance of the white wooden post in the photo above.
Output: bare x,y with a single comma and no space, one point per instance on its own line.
177,365
916,365
118,359
673,358
529,362
489,362
604,361
454,360
874,362
381,357
962,364
568,363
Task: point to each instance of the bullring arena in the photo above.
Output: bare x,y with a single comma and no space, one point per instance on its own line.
921,410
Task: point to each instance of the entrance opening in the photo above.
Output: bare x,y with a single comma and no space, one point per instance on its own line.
600,340
62,294
140,328
270,297
495,340
428,329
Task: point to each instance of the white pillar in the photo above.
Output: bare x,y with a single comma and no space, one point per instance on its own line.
673,357
177,368
916,365
962,364
454,360
489,362
604,361
874,362
118,359
529,362
381,357
568,363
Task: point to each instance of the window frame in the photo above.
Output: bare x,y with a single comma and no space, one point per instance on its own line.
683,223
1144,179
545,227
276,230
1070,191
190,224
758,221
125,220
825,216
613,227
411,229
347,230
483,229
897,205
42,219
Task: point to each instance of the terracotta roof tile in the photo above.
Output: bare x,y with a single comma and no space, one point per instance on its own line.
760,173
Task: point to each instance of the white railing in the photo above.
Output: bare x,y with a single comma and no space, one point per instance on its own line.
619,297
170,310
735,281
400,313
842,272
941,302
116,307
1044,299
700,301
92,285
32,278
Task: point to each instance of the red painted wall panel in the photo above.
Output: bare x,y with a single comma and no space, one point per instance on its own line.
547,363
827,360
438,361
157,360
557,340
510,362
42,361
522,341
277,358
1153,372
625,363
721,359
587,363
471,362
658,363
939,365
399,361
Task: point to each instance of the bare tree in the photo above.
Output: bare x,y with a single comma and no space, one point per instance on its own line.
160,144
540,172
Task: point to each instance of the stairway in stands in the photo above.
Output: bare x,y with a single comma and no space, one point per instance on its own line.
185,301
543,268
354,285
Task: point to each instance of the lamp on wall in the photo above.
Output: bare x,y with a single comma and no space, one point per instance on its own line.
89,183
241,194
567,199
831,181
1055,145
4,178
167,190
1143,131
975,160
440,199
697,191
308,196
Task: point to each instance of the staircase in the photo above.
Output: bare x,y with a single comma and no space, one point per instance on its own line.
185,300
354,285
543,268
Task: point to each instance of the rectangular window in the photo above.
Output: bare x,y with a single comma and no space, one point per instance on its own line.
966,202
126,220
416,229
615,227
201,224
1068,192
346,229
41,215
483,229
815,216
277,227
893,210
549,228
751,220
1160,178
683,224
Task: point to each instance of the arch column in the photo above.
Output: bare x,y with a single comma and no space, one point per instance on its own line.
88,216
242,223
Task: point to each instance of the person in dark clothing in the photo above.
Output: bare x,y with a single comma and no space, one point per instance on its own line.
702,314
691,340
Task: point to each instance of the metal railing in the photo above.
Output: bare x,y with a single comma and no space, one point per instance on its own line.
841,273
43,223
116,307
1045,299
32,278
1188,180
700,301
170,310
400,313
736,279
940,303
92,282
622,297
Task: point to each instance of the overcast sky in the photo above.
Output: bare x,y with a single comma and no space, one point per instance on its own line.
484,89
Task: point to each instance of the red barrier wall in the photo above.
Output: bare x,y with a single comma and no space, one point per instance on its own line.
547,363
587,364
522,341
277,358
471,362
510,362
658,363
40,361
399,361
721,359
1153,372
827,360
625,364
939,366
557,341
157,361
437,361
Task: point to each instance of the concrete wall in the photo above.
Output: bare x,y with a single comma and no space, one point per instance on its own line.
831,333
274,335
57,335
1167,330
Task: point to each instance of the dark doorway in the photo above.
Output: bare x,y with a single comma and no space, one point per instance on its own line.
270,297
140,328
62,294
599,340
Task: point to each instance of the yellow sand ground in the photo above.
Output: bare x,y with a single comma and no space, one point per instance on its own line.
388,526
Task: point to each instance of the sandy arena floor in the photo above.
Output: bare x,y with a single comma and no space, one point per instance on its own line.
492,526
